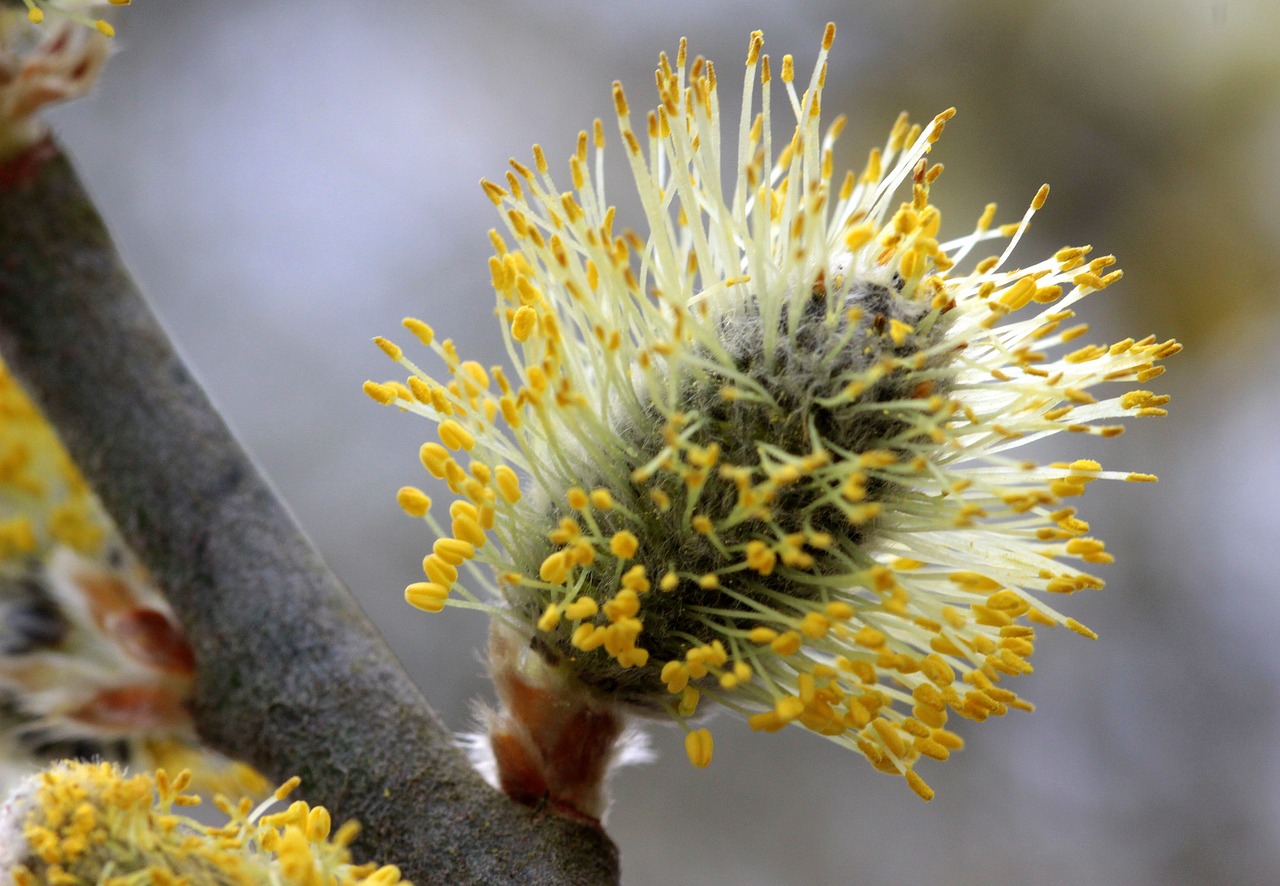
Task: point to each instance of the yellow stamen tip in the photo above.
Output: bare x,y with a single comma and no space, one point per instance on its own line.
698,745
923,791
414,501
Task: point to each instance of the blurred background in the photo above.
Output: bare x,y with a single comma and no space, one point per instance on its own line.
289,179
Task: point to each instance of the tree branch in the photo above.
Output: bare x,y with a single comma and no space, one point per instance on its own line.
291,676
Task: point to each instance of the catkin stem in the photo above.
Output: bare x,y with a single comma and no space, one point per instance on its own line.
291,676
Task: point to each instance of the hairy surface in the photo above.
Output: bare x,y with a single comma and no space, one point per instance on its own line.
837,339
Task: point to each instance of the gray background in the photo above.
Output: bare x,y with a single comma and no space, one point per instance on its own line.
289,179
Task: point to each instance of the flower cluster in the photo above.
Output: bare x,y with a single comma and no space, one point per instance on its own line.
761,456
42,65
92,661
90,823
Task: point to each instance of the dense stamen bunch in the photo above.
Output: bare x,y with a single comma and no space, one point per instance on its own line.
92,661
90,823
758,456
43,63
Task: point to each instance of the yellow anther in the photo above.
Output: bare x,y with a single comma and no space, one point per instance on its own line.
633,657
785,475
788,643
318,824
869,637
689,701
1041,195
917,784
582,552
815,625
855,488
287,788
523,323
468,531
537,379
427,596
634,579
698,745
877,458
438,570
1080,629
413,501
890,735
671,671
588,637
972,581
421,331
1085,546
455,436
584,607
1007,600
861,235
384,394
576,498
510,413
761,557
601,499
806,687
462,508
788,708
1062,585
421,391
453,551
828,36
389,348
820,540
555,568
709,581
1019,295
566,533
766,721
624,545
625,604
839,610
550,618
475,378
937,670
857,715
508,483
494,192
668,582
620,636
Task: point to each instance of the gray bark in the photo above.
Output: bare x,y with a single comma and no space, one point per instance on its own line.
291,675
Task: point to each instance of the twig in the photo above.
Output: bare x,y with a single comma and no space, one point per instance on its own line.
291,675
